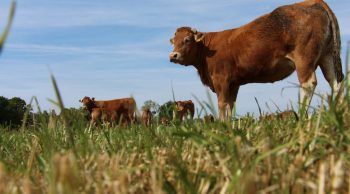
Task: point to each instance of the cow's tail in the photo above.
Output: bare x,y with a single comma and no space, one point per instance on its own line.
336,42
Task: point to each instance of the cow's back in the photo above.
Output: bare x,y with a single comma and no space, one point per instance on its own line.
124,107
120,105
254,48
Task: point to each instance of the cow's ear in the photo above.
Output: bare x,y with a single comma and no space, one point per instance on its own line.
80,100
93,99
198,37
172,40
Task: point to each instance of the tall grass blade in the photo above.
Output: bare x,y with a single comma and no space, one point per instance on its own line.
273,151
37,104
8,25
172,92
63,114
257,103
27,114
347,58
201,105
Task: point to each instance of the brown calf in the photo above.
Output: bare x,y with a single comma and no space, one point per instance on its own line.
146,117
184,108
209,118
282,115
164,121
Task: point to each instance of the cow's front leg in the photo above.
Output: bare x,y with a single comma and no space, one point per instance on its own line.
227,99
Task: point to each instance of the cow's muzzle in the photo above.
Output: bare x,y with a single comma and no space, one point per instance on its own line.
174,57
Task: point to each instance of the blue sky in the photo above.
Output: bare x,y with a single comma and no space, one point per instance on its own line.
112,49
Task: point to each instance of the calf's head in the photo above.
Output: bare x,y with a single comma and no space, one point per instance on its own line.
186,42
88,103
180,106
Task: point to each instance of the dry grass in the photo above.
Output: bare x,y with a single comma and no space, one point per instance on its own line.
270,156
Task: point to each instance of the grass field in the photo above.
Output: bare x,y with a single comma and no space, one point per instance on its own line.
243,156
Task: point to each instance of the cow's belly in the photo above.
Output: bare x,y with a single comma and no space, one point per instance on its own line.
274,72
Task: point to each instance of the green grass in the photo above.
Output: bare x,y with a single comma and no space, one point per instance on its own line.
245,156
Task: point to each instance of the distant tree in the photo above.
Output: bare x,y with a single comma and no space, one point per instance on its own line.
17,108
167,110
152,106
12,111
3,110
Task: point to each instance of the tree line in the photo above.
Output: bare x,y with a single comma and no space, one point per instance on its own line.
12,111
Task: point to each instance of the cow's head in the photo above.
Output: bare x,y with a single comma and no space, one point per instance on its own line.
186,43
88,103
180,106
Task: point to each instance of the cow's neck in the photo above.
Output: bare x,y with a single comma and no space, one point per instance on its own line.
94,105
98,104
89,110
201,62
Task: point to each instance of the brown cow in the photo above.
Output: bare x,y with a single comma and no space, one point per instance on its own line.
184,108
299,37
123,108
146,117
105,115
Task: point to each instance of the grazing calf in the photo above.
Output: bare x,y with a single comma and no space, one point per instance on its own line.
282,116
297,37
146,117
122,109
183,109
164,121
209,118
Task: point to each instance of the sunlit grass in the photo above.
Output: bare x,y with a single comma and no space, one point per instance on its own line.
246,156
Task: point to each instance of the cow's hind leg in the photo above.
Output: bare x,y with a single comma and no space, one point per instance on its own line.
328,70
307,89
307,79
308,82
306,56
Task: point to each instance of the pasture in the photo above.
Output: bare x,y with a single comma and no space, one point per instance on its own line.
240,156
65,154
